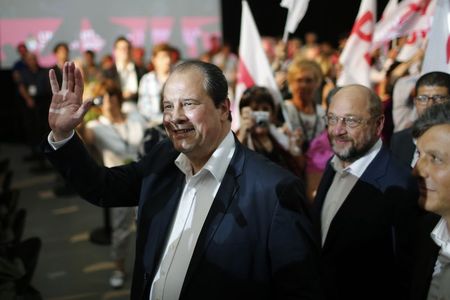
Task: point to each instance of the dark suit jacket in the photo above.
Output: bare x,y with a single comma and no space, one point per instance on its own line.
113,74
366,251
425,258
402,145
256,242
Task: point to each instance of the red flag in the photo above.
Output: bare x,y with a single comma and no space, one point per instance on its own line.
437,55
253,65
409,16
414,42
355,57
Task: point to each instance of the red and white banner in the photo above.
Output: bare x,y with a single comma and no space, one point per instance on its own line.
409,16
389,9
414,42
296,12
437,54
253,68
355,58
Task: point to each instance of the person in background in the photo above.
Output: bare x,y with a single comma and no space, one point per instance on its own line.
19,64
431,273
125,73
106,63
34,92
259,133
62,55
138,56
317,157
215,220
117,137
150,86
91,73
366,204
227,61
431,88
305,116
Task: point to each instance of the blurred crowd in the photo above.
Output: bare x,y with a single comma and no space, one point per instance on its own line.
126,119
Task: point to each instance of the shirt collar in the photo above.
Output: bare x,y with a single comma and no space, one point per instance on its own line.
217,163
358,167
127,66
441,237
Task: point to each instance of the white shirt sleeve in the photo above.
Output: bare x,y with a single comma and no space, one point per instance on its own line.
59,144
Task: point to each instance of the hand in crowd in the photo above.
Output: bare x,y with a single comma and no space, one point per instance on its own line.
296,140
67,108
247,123
247,119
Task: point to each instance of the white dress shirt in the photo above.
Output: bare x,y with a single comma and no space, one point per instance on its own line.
149,103
128,77
196,200
343,182
440,282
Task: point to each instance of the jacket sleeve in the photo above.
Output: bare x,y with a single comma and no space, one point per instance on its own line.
294,249
106,187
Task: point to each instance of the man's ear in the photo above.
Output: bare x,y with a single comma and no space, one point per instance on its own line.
380,124
225,106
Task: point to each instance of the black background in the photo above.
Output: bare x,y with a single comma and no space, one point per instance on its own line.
329,19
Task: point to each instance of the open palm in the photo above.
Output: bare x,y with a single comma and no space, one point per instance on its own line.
67,108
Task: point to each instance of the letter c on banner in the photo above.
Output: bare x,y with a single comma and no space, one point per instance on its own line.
357,28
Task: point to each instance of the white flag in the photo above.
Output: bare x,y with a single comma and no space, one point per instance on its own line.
296,12
253,68
437,55
409,16
389,9
414,42
355,58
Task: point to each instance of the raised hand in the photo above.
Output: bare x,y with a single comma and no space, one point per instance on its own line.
67,108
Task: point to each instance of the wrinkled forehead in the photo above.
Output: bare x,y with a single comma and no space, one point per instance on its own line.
350,101
184,83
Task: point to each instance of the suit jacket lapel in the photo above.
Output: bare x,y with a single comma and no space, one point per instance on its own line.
374,171
325,183
158,212
224,197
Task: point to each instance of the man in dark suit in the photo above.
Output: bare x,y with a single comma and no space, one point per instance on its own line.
365,205
125,72
431,88
215,220
431,273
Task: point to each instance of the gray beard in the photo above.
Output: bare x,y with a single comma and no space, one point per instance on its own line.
353,154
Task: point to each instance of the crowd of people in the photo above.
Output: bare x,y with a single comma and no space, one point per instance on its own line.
329,209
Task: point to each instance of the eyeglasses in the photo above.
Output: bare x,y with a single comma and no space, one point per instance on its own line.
350,121
424,99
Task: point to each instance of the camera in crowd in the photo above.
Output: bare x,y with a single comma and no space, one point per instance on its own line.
97,101
261,117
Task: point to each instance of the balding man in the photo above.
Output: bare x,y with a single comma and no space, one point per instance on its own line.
365,204
215,220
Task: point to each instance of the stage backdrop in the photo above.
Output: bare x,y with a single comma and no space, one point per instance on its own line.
95,24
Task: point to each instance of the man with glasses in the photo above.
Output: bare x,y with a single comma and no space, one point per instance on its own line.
365,204
431,88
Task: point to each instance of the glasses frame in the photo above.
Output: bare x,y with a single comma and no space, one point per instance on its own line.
359,121
437,99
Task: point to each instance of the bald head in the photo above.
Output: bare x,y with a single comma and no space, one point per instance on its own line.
362,96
